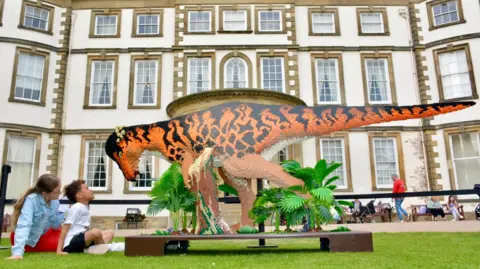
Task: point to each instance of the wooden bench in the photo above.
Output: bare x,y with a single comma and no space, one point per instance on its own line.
7,222
383,213
416,209
148,245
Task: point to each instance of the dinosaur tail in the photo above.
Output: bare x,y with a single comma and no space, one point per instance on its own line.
320,120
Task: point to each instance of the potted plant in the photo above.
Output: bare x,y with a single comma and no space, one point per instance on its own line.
267,205
170,193
315,198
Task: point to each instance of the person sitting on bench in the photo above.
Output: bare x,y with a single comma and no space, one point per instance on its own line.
452,207
356,209
435,208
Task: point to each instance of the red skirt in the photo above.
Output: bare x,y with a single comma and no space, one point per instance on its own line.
48,242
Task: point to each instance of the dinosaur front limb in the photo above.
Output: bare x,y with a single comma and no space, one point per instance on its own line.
210,220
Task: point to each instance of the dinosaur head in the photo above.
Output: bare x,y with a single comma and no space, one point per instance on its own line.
127,144
122,147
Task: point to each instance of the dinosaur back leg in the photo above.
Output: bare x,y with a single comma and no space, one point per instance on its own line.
254,166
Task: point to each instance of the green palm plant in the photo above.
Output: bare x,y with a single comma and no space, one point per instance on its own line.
267,205
170,193
315,198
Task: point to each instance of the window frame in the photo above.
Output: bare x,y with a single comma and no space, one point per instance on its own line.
138,12
294,152
286,152
90,60
248,21
2,4
285,73
158,91
436,58
37,148
83,162
341,79
391,77
343,136
51,16
431,20
107,12
450,161
396,136
44,88
336,21
186,57
453,157
384,16
283,20
223,63
186,20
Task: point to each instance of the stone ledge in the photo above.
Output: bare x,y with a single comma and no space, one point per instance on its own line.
198,101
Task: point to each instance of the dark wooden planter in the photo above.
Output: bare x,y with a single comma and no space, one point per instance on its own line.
329,241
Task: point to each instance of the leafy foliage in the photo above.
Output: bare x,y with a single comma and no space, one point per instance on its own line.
319,185
267,205
341,229
228,189
247,230
291,202
161,232
171,194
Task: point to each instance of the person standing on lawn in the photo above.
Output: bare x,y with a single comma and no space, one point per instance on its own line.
399,187
36,223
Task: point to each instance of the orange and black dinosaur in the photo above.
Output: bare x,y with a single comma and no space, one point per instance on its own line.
246,135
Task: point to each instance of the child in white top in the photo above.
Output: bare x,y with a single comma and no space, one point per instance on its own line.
76,234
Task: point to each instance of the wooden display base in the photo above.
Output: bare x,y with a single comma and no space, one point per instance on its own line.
329,241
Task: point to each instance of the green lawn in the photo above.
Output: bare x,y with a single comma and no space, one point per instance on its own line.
402,250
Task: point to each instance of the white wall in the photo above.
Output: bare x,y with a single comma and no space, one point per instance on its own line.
470,114
81,31
471,12
399,31
26,114
360,162
11,20
79,118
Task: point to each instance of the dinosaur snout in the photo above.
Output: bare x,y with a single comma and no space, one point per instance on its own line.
122,157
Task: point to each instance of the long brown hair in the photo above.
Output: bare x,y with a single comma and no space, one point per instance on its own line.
454,199
45,183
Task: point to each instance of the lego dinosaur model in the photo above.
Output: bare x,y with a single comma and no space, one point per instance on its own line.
245,136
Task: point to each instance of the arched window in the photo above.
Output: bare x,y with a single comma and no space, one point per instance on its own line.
236,73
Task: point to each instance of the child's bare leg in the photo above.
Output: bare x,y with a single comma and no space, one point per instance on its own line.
107,236
95,236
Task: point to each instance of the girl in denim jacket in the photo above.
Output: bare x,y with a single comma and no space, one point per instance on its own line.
35,218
